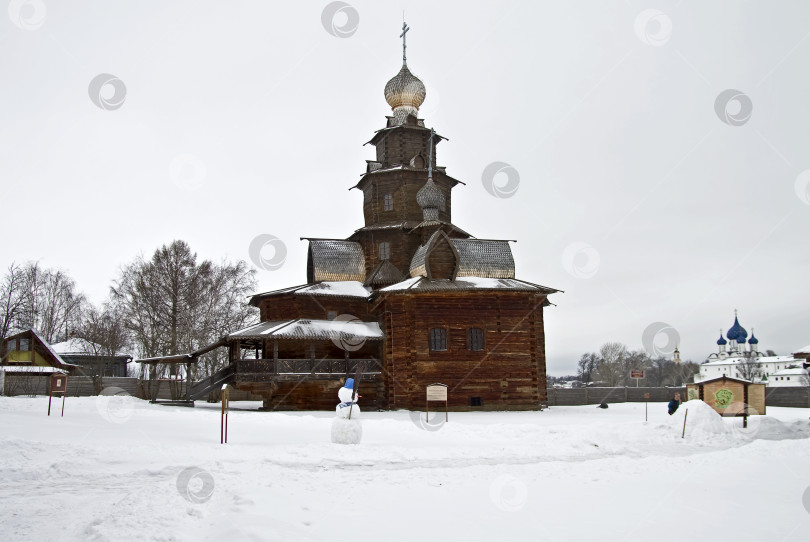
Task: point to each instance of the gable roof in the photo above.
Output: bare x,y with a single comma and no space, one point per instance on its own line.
335,260
421,258
485,258
78,346
384,274
48,350
715,379
802,352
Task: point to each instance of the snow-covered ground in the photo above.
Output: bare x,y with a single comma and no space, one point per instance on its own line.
116,468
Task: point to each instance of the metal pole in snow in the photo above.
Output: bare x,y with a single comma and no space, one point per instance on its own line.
685,414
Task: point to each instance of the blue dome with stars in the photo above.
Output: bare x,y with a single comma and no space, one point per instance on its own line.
721,341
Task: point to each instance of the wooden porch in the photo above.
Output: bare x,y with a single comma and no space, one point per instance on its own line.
274,370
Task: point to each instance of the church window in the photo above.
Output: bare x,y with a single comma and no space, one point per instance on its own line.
475,339
388,202
438,339
385,250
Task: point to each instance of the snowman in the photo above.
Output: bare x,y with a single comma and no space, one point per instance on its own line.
347,430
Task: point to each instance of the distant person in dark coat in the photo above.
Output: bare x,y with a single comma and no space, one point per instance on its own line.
674,404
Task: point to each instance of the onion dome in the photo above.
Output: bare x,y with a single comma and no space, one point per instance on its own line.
753,340
737,332
721,341
404,93
430,198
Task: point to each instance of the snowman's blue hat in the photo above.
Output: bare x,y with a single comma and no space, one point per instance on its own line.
349,383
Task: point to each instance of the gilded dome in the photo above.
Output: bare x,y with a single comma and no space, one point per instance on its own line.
405,92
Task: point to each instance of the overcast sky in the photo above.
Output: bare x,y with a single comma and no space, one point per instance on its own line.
646,191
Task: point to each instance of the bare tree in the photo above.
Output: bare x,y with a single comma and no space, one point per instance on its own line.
684,372
53,306
636,359
586,367
173,304
104,331
660,371
749,368
14,299
610,366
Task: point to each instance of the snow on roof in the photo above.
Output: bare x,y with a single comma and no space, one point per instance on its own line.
31,369
788,372
52,351
466,283
404,285
311,329
722,377
762,359
803,350
76,346
344,288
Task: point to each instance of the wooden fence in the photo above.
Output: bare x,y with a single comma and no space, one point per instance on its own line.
778,397
84,386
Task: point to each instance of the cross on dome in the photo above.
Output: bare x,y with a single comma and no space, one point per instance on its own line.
405,29
404,92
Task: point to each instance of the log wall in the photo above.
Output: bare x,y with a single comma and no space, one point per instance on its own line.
509,374
290,306
322,395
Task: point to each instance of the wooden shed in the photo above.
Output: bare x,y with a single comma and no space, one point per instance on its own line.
729,396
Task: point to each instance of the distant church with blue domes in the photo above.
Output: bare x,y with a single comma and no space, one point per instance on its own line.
738,356
735,346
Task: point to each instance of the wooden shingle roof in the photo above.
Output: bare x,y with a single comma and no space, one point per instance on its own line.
335,260
310,329
484,258
384,274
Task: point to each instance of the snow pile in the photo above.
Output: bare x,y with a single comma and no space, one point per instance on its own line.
702,422
770,428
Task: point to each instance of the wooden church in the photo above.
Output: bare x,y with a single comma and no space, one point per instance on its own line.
413,296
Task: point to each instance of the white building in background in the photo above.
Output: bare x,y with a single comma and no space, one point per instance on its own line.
789,378
734,354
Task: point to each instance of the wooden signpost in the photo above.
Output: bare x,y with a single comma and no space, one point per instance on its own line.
58,385
685,414
223,422
436,392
